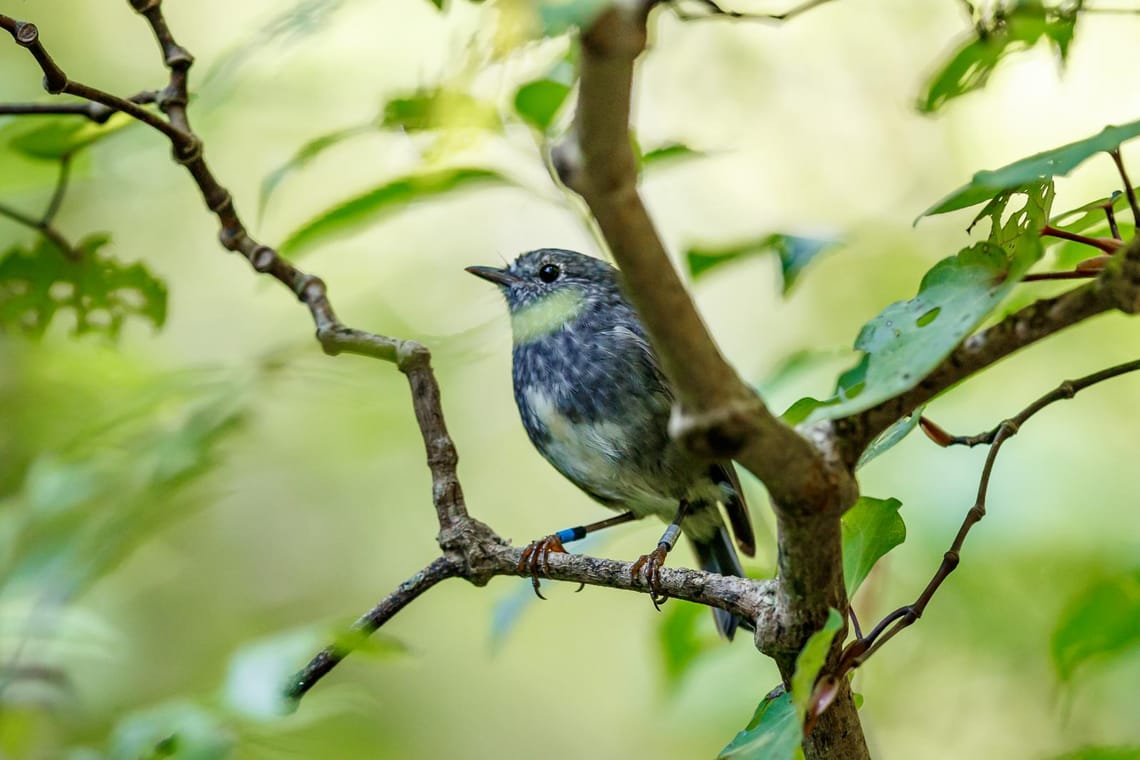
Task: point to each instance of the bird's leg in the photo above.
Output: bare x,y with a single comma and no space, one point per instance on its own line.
535,558
655,560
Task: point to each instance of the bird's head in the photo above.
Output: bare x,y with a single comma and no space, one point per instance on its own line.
549,288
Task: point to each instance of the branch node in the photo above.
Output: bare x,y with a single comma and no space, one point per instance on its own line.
231,237
26,34
411,355
262,258
309,288
187,151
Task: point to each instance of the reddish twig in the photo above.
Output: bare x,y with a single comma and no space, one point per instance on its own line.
858,651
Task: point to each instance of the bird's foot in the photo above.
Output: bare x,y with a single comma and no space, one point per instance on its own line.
535,559
651,565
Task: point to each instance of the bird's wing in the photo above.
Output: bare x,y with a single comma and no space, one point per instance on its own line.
736,508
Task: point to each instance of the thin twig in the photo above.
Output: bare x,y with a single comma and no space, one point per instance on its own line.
59,191
406,593
862,648
1119,161
44,228
96,112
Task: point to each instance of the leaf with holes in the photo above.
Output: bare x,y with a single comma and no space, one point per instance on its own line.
774,733
395,196
871,528
908,339
794,252
101,292
1041,166
1099,624
1019,27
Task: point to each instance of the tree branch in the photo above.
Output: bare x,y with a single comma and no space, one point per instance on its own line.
717,415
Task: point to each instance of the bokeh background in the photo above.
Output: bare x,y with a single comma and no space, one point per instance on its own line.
187,513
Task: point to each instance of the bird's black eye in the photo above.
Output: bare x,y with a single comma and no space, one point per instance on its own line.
549,272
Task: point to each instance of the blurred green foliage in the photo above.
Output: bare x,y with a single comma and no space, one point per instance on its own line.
183,521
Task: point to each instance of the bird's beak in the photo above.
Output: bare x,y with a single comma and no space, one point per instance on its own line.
490,274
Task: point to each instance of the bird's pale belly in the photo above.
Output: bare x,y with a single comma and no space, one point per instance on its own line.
596,456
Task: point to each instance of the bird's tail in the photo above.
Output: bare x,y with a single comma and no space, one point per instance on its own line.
717,555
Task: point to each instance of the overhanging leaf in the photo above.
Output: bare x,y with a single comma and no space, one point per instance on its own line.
774,733
366,209
908,339
1100,623
101,292
51,138
810,661
794,252
1040,166
1012,29
303,157
871,528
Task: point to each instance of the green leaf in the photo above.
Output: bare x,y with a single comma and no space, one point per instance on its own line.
50,138
101,292
795,254
303,157
539,102
1101,753
810,661
774,733
908,339
558,16
871,528
1040,166
368,208
1013,29
667,154
683,637
889,437
440,108
1099,624
182,730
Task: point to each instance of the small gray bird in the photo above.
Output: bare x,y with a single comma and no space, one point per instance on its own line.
595,403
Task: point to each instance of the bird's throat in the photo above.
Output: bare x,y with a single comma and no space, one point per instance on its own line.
547,314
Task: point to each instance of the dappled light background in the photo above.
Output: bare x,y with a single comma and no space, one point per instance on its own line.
187,514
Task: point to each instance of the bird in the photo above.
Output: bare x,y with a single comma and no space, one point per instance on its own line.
595,403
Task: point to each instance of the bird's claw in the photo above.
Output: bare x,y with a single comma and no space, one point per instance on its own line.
535,560
651,565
